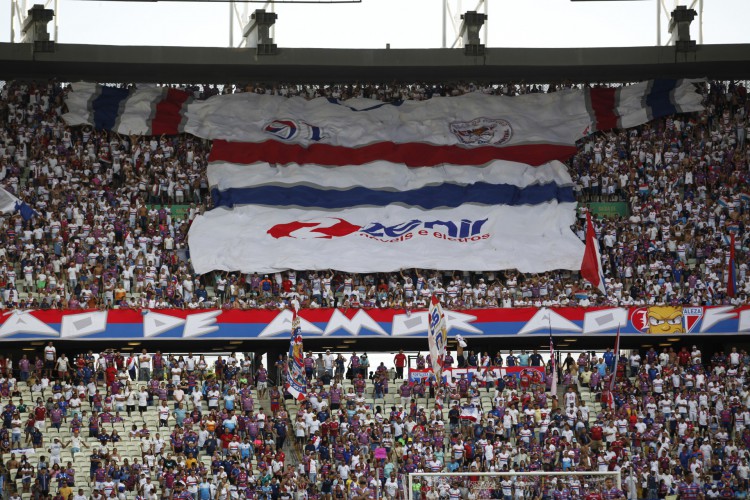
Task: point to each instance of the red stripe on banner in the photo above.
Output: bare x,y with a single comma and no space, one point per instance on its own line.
410,154
603,104
169,113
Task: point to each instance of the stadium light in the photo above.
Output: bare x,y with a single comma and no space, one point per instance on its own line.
35,28
258,32
472,24
681,19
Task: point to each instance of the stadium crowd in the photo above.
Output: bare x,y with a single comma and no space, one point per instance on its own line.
155,425
113,214
108,233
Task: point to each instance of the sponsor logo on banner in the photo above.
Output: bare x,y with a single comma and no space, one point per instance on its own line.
289,130
461,231
666,320
482,131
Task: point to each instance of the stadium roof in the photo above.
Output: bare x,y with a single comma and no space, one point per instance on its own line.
113,64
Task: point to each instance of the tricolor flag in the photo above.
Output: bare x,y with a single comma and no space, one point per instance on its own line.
296,383
732,270
470,412
591,267
470,182
437,335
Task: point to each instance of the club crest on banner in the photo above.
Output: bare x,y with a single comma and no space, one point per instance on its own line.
481,131
289,130
666,320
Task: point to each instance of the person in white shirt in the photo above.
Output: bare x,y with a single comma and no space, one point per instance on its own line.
190,362
144,364
55,451
391,487
50,357
77,496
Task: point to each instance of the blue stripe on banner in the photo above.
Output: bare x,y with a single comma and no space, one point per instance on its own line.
429,197
659,98
106,107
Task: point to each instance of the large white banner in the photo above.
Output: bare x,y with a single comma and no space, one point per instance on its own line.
472,238
532,128
366,186
385,218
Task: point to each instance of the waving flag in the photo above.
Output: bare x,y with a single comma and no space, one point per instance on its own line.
469,182
533,128
591,267
437,335
9,204
296,383
471,413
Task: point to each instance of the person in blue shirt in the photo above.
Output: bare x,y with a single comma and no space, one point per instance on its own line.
523,359
280,429
44,479
609,359
179,414
206,490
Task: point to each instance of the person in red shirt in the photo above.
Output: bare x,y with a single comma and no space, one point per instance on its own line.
400,362
226,437
111,374
617,445
524,380
597,433
683,357
592,495
40,413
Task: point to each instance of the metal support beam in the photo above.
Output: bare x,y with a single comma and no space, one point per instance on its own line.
72,62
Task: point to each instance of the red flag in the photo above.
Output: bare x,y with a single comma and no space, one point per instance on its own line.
591,267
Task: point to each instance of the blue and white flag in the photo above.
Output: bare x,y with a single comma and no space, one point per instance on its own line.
296,384
9,204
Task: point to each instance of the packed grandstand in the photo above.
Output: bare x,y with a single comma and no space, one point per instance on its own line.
121,242
111,233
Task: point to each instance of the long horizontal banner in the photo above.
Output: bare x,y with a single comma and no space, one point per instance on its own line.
535,373
126,324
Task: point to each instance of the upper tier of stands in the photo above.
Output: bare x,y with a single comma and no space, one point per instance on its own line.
116,209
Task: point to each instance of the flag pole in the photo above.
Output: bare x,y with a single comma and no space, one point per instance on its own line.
614,371
553,361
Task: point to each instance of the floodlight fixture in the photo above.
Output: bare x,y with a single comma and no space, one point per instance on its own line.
35,28
681,19
258,32
472,24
